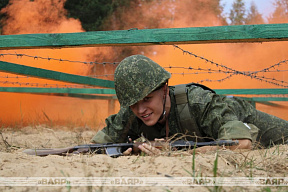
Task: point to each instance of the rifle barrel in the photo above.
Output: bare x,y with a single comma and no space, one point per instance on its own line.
124,146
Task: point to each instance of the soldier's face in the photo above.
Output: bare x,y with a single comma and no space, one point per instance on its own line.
150,108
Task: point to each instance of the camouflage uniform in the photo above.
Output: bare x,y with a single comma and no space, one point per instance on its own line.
217,116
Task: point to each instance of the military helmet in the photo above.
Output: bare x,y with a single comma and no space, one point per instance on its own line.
136,77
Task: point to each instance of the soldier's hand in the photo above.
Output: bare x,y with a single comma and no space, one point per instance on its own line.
127,152
145,147
149,149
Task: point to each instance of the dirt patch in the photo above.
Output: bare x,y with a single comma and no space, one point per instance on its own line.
271,162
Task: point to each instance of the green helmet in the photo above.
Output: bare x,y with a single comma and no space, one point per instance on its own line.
136,77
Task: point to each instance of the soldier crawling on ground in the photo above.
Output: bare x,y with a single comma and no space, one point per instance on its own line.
151,108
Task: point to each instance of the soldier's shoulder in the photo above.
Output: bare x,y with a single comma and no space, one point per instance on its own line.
199,94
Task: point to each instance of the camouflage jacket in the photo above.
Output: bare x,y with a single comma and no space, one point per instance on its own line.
217,116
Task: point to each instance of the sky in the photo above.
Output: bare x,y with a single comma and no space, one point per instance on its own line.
265,7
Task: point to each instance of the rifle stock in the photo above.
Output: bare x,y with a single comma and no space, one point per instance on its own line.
116,149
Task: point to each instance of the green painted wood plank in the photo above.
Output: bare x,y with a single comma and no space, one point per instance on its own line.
80,96
193,35
250,91
87,93
53,75
112,91
56,90
263,99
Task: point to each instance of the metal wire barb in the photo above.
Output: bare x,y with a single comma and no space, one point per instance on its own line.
19,55
227,70
221,69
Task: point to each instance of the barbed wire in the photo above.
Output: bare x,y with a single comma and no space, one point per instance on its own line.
221,69
219,80
272,66
206,60
245,73
14,77
50,85
273,79
20,55
209,70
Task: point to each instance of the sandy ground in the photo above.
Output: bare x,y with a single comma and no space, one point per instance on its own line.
271,162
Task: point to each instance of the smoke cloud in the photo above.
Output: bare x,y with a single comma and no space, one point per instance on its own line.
50,17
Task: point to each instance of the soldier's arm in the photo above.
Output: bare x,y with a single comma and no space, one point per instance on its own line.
243,144
216,117
118,127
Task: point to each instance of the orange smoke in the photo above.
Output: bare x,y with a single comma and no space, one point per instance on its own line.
246,57
22,109
50,17
38,16
241,57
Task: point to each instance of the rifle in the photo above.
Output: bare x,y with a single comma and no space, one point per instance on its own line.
116,149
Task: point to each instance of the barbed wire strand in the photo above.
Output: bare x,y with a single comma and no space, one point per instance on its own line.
45,84
236,72
20,55
222,68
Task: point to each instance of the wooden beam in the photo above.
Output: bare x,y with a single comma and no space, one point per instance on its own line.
251,91
168,36
79,96
112,91
263,99
56,90
53,75
89,91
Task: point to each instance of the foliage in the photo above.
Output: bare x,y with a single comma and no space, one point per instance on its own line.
280,15
142,14
253,16
240,16
112,14
237,13
116,15
92,13
3,4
